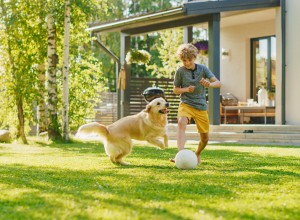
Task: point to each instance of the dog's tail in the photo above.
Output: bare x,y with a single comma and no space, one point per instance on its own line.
91,130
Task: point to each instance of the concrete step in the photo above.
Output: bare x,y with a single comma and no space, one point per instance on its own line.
257,128
266,134
241,127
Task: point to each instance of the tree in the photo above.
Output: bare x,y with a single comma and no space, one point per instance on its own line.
86,79
40,27
65,110
53,127
41,103
15,86
167,48
19,54
23,51
111,40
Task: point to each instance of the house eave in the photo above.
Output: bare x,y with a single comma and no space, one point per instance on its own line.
137,21
188,14
210,7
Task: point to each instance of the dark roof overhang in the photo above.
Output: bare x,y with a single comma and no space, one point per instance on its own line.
191,13
211,7
137,24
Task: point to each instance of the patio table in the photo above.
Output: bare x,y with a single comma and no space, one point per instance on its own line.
243,108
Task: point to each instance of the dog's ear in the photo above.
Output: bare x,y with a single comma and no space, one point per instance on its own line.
147,109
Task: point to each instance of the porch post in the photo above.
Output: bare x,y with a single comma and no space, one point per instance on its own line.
187,31
188,34
283,63
124,96
214,66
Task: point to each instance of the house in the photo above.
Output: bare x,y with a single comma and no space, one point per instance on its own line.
251,42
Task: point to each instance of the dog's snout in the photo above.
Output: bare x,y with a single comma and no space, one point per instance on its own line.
167,104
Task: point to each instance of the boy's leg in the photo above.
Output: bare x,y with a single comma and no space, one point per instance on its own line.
202,123
182,123
202,144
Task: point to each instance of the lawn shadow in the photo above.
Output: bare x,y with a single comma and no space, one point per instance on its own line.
234,161
82,147
76,146
135,185
245,160
85,187
153,180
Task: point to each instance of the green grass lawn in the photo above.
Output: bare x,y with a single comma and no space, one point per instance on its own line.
77,181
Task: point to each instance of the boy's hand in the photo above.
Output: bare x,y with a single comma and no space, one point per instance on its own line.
190,89
205,83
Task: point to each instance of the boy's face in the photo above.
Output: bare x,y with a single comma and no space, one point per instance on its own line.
189,63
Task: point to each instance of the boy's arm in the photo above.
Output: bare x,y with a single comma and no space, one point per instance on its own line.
212,83
179,90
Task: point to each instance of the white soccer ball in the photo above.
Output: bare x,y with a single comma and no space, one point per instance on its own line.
186,160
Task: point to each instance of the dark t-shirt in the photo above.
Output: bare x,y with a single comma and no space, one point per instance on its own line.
185,77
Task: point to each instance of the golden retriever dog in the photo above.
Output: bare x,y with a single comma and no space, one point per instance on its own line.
149,124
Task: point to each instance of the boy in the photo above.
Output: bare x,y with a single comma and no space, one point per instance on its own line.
190,82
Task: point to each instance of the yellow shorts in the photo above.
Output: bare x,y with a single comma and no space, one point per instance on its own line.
200,117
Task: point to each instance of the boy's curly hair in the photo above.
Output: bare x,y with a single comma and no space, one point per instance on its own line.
187,51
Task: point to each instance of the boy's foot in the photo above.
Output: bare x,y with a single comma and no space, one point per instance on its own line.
198,157
199,160
172,160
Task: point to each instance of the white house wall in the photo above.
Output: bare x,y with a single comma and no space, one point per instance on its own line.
292,62
235,71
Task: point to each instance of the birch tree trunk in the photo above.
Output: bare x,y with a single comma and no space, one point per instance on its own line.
65,113
41,114
53,127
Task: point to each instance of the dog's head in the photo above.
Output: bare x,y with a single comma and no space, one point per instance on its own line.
158,105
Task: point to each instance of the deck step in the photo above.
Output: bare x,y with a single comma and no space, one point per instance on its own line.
256,134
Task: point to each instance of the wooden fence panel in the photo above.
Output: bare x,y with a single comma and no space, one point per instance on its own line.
137,102
106,111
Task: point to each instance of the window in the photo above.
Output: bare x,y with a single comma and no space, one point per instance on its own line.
263,63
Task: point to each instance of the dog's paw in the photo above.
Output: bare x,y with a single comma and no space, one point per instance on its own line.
163,147
123,162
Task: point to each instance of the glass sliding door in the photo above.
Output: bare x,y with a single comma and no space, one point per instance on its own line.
263,63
